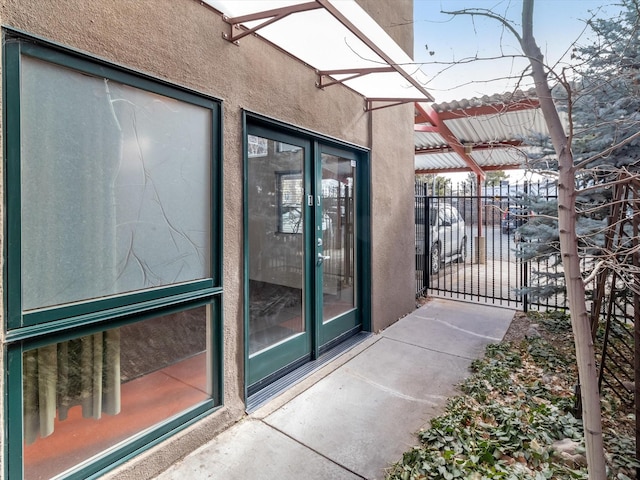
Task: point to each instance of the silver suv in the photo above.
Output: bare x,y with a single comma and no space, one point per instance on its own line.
447,235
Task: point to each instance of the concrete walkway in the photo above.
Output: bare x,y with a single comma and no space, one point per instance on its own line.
356,416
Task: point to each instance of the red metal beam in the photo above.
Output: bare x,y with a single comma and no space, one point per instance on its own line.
433,118
390,102
476,146
420,117
496,109
426,128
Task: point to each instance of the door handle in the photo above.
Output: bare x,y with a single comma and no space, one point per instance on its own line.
322,258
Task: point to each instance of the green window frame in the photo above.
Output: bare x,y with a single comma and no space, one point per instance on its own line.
34,327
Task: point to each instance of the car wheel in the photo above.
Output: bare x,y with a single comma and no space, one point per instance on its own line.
462,253
435,258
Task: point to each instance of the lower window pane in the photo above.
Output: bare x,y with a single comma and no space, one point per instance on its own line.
85,395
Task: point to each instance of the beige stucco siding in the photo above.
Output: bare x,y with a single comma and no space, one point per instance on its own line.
181,41
392,247
395,17
2,259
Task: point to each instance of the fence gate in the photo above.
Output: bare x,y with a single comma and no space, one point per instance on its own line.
467,243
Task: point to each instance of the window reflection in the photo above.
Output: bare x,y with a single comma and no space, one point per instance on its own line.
338,193
87,394
276,248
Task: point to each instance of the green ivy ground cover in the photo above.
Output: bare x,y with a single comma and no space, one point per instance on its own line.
514,409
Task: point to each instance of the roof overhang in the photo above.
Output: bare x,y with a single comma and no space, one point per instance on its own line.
335,37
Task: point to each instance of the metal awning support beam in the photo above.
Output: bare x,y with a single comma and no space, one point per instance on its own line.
426,128
239,29
390,102
476,146
372,45
352,72
428,113
272,15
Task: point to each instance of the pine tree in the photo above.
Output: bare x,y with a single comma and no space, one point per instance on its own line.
602,97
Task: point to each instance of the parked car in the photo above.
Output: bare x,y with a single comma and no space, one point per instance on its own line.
447,235
513,217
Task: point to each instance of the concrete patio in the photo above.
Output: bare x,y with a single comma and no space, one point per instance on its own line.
355,416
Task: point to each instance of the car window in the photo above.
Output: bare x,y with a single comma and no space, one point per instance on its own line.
444,217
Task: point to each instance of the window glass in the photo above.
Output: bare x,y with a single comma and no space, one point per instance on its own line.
338,236
276,261
112,190
87,394
290,190
115,187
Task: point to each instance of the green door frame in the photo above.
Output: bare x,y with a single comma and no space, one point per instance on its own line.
333,332
299,349
318,341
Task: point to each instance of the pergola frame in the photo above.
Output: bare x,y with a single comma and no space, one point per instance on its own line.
429,120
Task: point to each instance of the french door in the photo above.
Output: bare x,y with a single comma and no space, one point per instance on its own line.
302,251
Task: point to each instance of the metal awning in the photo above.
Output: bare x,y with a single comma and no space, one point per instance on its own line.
478,134
335,37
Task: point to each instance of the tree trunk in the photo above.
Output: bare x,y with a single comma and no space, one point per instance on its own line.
585,351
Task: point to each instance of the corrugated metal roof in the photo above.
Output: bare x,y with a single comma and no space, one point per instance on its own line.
429,141
493,128
507,98
489,159
447,161
501,127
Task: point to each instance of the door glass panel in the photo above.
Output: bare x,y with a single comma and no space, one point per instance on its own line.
338,220
276,242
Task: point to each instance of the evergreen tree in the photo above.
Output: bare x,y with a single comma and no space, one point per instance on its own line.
606,100
603,101
437,184
493,179
600,152
601,143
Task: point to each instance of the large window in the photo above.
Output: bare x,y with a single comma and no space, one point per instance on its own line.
112,277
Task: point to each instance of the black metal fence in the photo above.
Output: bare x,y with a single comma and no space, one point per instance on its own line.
468,244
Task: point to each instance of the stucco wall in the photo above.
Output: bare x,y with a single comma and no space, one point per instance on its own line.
180,40
2,215
392,178
395,17
392,249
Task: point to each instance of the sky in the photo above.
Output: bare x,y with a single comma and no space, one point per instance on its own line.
557,25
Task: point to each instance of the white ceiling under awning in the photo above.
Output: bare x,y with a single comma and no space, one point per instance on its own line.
331,37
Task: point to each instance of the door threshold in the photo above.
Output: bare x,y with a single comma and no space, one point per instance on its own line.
274,389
